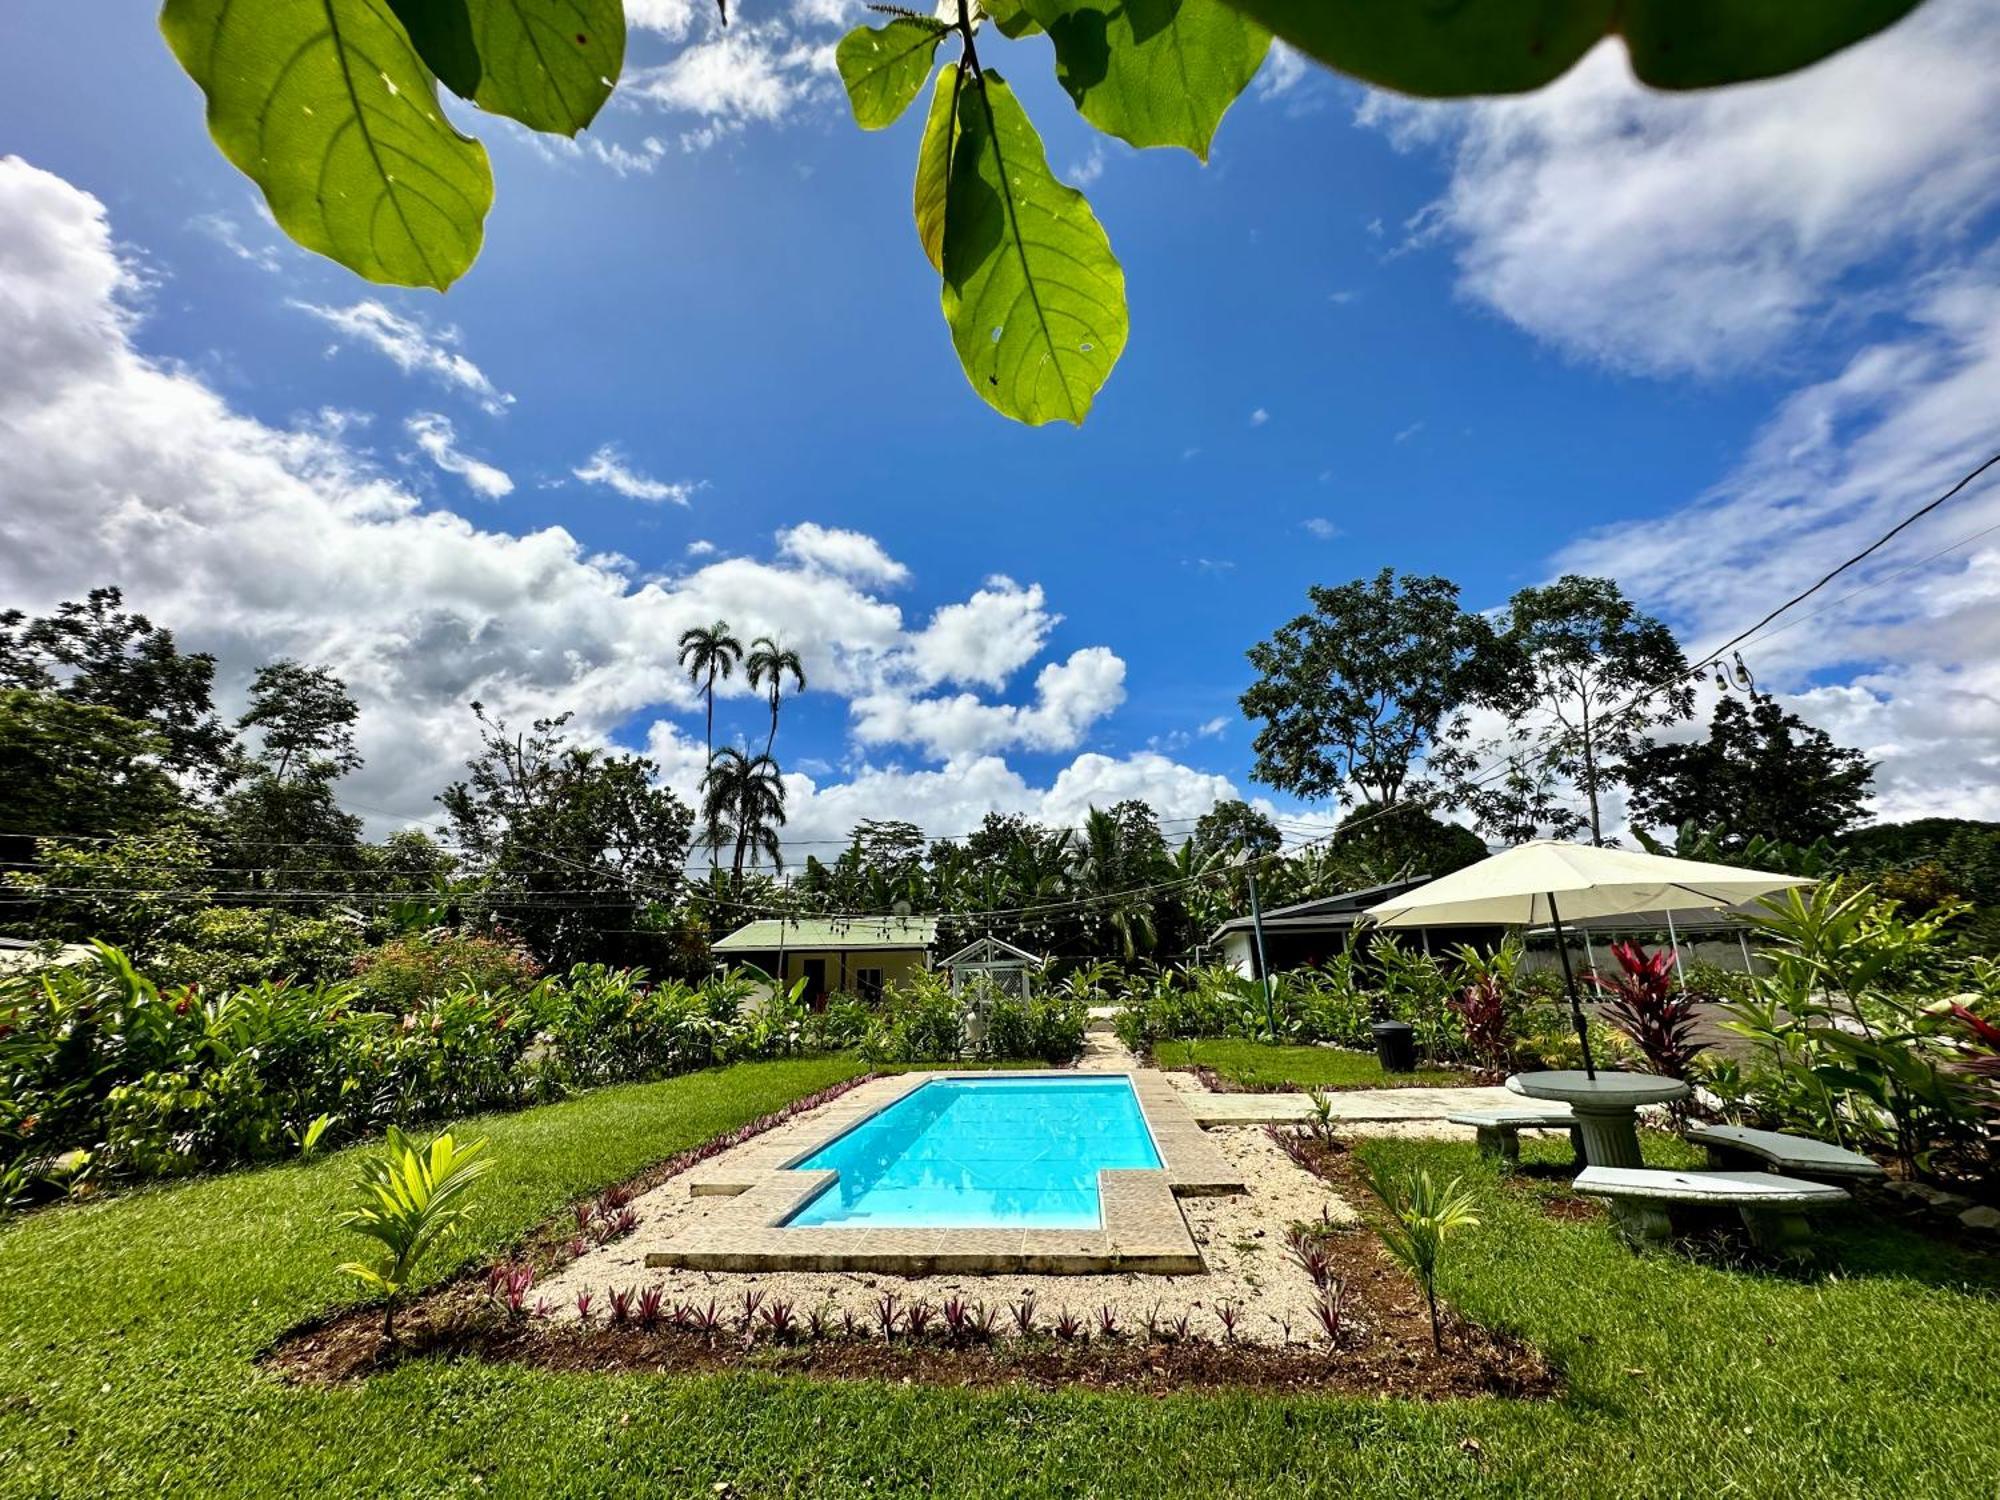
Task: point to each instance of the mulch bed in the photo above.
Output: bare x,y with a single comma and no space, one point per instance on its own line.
1384,1348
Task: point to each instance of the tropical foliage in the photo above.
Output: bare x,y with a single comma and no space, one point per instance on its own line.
411,1201
377,176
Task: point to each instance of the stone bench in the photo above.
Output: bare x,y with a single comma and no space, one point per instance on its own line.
1773,1208
1736,1148
1500,1130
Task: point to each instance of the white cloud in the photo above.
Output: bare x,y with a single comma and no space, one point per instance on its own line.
1666,232
1285,68
847,553
1320,527
1070,696
1089,168
670,18
255,541
700,547
227,233
1409,432
986,639
609,467
1214,728
751,73
1909,667
414,347
434,433
1259,417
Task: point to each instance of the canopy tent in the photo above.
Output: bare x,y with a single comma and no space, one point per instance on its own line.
1546,881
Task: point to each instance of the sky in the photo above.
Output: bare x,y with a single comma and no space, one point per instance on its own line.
1708,345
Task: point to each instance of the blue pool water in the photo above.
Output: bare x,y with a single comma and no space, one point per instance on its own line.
987,1153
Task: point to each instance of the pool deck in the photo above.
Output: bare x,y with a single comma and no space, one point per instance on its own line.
1143,1227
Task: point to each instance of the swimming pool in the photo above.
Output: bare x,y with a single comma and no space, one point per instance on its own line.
982,1153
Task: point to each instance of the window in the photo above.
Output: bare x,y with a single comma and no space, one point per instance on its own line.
868,983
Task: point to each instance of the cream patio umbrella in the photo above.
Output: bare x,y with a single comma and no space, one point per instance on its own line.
1546,880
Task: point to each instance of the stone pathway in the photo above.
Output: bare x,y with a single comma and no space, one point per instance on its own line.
1350,1106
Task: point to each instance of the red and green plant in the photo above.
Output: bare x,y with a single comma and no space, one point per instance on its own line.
1644,1002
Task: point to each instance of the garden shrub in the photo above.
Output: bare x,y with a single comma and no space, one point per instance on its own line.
227,947
406,971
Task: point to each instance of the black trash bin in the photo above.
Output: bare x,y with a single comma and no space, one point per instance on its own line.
1396,1046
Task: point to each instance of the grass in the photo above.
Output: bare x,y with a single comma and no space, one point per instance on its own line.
1260,1064
129,1328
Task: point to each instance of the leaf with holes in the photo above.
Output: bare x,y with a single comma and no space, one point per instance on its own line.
1033,295
329,109
1512,46
934,164
1153,72
550,64
884,67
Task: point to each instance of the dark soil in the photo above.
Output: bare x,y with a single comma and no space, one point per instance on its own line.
1383,1346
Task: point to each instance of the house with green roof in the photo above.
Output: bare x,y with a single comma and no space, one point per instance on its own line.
860,956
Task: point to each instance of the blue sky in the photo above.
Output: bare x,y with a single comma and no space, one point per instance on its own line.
1700,344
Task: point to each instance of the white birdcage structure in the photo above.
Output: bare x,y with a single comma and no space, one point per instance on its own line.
985,970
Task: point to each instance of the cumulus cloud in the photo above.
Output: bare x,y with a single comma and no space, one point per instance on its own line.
609,467
1070,696
434,434
848,553
986,639
226,232
1700,232
755,73
256,541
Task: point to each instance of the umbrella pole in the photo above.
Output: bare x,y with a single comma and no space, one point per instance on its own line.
1569,981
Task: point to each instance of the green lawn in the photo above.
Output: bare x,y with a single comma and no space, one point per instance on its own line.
1261,1064
127,1331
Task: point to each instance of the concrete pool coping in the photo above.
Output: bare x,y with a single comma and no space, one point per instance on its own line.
1143,1228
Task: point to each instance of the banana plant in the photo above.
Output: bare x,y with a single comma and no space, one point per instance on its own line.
331,107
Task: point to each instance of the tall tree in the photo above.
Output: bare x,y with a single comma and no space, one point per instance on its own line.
1761,771
76,768
1235,826
283,819
1576,651
573,841
768,666
708,653
1357,692
95,652
746,796
304,718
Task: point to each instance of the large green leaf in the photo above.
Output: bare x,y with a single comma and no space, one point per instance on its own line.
1695,44
550,64
1444,48
329,109
884,67
1034,297
1012,17
1153,72
934,163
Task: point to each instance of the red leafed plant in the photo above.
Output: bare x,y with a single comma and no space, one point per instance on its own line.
1644,1003
1982,1053
1482,1011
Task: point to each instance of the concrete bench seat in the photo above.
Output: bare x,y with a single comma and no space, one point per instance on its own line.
1773,1208
1500,1129
1737,1148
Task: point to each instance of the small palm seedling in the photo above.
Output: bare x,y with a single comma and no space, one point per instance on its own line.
1422,1216
413,1200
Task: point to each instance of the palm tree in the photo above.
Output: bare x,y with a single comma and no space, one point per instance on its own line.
708,654
767,666
743,799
